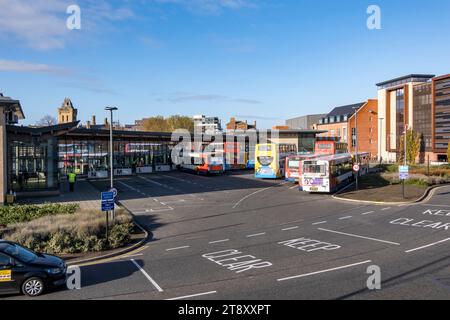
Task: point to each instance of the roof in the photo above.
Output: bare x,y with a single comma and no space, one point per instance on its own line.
38,131
8,102
345,110
420,76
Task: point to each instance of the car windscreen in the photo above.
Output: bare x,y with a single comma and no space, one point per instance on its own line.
18,252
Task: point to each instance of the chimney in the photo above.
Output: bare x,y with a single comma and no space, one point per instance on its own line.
93,121
106,123
88,124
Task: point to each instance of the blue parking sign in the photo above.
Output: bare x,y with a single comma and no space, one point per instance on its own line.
107,201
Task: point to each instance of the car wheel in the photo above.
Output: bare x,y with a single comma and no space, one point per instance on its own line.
33,287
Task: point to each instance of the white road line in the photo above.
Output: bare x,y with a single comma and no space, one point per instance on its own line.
320,222
347,217
291,228
283,224
153,282
219,241
178,248
366,213
256,235
324,271
384,209
193,295
293,187
252,194
358,236
428,245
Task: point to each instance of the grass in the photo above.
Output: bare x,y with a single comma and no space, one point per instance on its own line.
376,187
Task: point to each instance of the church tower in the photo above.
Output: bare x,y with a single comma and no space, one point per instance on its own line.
67,113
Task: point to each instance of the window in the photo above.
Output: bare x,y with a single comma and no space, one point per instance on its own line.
332,132
338,132
353,137
4,260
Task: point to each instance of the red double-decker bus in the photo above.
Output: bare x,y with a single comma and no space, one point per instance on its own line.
329,147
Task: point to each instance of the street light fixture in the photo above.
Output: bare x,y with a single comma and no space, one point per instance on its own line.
111,146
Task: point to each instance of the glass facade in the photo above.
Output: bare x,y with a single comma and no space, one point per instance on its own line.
442,112
422,114
83,156
400,115
33,165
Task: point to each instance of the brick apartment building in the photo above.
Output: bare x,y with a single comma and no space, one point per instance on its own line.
239,125
363,129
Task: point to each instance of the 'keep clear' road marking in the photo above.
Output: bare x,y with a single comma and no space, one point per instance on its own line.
236,261
153,282
324,271
309,245
358,236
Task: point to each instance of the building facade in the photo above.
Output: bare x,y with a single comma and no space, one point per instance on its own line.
419,102
305,122
67,113
207,125
336,122
363,129
240,125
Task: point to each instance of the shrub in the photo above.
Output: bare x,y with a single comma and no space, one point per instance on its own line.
23,213
82,231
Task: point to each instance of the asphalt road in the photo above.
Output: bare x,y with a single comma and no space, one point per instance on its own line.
235,237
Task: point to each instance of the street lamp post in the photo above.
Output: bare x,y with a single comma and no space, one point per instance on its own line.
111,146
356,144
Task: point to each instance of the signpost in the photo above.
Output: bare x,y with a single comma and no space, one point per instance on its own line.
404,175
108,205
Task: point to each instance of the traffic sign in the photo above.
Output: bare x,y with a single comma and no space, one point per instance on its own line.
356,167
114,191
403,172
107,201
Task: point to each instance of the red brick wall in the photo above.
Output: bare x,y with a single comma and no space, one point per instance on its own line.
367,129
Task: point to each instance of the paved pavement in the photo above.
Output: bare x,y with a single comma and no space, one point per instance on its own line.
86,195
235,237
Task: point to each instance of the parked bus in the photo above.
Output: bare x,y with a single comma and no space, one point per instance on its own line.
270,159
235,156
204,163
322,147
293,166
330,173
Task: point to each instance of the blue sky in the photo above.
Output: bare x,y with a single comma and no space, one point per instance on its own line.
265,60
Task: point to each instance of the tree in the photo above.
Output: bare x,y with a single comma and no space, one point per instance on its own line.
161,124
180,122
46,121
413,142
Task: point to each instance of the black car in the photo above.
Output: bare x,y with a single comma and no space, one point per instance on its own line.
22,270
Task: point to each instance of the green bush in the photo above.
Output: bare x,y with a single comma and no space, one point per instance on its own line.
83,231
24,213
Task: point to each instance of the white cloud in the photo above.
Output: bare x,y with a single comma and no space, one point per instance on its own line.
28,67
211,6
41,24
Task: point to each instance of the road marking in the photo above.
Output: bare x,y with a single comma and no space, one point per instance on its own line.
366,213
153,282
193,295
324,271
358,236
133,255
283,224
178,248
291,228
320,222
219,241
384,209
347,217
293,187
254,193
428,245
256,235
